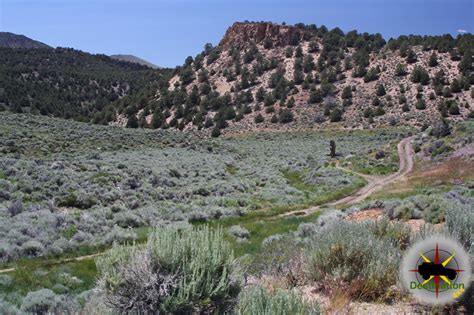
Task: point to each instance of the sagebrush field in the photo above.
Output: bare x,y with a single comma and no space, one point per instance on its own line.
70,189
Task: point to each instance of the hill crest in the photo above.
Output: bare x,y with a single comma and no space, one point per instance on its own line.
11,40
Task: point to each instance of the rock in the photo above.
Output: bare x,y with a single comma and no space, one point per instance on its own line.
57,165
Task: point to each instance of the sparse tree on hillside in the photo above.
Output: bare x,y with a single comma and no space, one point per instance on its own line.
420,104
186,75
376,101
260,94
188,61
308,63
298,77
298,52
132,122
346,92
336,115
216,132
285,116
379,111
267,43
291,102
157,120
453,108
208,123
381,90
313,47
404,49
315,97
400,70
419,75
213,56
411,56
433,61
259,119
456,86
441,128
371,75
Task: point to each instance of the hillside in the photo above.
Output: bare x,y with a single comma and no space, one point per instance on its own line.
264,75
67,83
10,40
134,59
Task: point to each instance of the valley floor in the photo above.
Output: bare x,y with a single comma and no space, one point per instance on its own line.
69,190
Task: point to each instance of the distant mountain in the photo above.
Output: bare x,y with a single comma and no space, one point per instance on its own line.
68,83
135,59
10,40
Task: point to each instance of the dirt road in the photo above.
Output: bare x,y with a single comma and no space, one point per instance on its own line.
375,183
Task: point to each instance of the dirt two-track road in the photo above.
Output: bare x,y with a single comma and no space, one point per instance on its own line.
375,183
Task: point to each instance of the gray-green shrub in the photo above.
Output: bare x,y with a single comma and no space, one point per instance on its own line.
188,270
357,255
45,301
257,301
239,232
431,208
460,223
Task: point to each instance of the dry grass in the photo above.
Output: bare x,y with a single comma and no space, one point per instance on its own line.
450,172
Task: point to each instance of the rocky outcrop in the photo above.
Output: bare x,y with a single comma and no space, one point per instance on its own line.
240,34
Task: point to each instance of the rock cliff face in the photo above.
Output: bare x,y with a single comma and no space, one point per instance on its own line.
241,34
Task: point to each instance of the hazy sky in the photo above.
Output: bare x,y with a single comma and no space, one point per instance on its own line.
166,32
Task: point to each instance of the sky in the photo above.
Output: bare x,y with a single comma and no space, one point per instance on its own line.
165,32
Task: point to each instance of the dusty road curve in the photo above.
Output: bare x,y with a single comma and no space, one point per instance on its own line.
375,183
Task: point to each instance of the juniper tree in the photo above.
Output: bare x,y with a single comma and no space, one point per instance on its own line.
381,90
285,116
298,52
411,56
346,92
336,115
332,148
259,119
433,61
400,70
315,97
132,122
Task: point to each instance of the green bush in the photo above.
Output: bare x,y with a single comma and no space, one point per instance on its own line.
191,270
361,257
257,301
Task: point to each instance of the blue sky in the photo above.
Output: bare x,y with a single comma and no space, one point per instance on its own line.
165,32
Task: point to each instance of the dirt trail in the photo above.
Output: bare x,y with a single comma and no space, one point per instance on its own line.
375,183
59,261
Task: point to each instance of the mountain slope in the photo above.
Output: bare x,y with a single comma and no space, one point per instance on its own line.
10,40
67,83
134,59
264,75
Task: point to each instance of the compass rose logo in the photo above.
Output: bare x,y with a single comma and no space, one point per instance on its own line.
436,271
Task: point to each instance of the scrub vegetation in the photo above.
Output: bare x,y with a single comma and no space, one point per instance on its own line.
157,204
